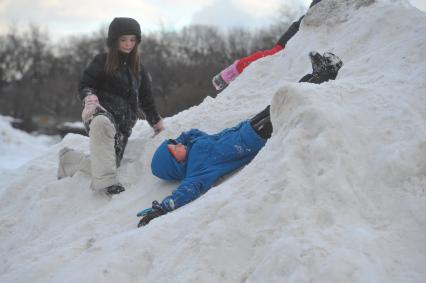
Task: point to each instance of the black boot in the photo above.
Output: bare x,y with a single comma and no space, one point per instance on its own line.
114,189
324,67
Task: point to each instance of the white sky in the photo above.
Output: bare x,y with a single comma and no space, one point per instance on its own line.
71,17
64,17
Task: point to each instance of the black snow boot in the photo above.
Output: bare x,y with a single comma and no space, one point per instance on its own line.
324,67
114,189
151,213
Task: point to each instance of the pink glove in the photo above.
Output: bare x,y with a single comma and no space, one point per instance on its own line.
230,73
91,102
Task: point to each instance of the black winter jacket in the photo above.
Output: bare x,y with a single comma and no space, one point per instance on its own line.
122,93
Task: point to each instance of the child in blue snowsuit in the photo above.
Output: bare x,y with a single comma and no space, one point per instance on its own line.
198,159
207,158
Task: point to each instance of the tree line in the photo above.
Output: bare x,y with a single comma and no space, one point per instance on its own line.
39,79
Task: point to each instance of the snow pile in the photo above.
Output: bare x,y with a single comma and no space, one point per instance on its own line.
336,195
18,147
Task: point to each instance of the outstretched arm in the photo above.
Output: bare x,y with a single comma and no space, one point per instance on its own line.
227,75
244,62
280,45
184,194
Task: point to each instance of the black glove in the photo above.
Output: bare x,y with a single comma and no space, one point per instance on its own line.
150,213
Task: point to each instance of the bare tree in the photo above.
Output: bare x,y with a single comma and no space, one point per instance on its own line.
38,78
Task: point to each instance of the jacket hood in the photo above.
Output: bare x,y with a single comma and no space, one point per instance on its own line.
164,166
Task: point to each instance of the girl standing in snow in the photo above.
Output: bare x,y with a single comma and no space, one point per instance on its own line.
198,159
113,88
226,76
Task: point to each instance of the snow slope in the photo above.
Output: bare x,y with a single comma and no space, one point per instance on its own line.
336,195
18,147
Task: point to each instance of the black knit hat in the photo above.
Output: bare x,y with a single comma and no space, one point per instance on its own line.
122,26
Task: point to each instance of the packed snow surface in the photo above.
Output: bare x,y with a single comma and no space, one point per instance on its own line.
17,147
338,194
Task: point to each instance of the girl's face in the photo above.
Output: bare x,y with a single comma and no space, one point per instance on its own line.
178,151
126,43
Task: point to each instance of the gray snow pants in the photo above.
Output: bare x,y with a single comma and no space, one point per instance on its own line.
106,150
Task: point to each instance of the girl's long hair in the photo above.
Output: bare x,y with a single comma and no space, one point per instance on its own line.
113,60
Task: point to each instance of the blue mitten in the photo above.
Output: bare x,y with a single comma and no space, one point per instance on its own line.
144,212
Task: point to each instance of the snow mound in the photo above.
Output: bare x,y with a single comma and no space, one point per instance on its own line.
18,147
336,195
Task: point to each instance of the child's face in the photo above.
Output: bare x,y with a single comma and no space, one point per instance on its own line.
126,43
178,151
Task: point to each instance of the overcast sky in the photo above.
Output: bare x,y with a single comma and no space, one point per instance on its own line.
73,17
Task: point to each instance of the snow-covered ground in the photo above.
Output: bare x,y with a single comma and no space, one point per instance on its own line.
18,147
338,194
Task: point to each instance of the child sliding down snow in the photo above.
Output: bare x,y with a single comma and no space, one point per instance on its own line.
226,76
198,159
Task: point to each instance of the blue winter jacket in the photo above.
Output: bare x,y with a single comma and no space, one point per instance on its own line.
208,158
